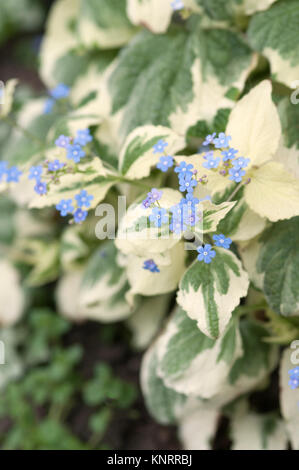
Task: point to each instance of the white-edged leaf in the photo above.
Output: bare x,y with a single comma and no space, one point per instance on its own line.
72,248
137,156
103,287
210,292
104,24
274,34
254,125
254,431
176,80
272,183
163,403
59,38
191,362
69,185
214,213
146,321
197,428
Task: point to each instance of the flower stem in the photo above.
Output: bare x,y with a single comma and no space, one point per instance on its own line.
236,190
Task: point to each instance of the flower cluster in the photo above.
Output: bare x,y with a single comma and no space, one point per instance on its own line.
74,146
60,92
294,378
185,215
82,201
51,171
9,174
206,252
230,164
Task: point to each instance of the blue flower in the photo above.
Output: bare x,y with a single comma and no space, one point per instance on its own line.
176,210
80,216
229,154
209,139
294,372
177,225
187,183
160,146
154,195
222,241
206,253
177,5
151,266
158,216
83,137
65,206
62,141
13,174
55,166
165,163
240,162
222,141
191,218
236,174
208,155
294,382
40,187
35,172
60,91
211,162
190,200
184,169
49,103
83,198
75,152
146,203
3,169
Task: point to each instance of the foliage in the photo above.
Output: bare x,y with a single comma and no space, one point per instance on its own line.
184,109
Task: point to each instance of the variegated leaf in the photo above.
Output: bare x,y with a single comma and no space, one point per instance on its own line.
210,292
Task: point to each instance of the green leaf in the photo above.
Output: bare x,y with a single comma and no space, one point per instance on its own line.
278,261
99,422
163,403
104,24
274,34
177,80
19,148
241,223
210,292
253,365
252,431
213,214
102,291
191,362
137,156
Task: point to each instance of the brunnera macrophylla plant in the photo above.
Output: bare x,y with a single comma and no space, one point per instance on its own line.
171,105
